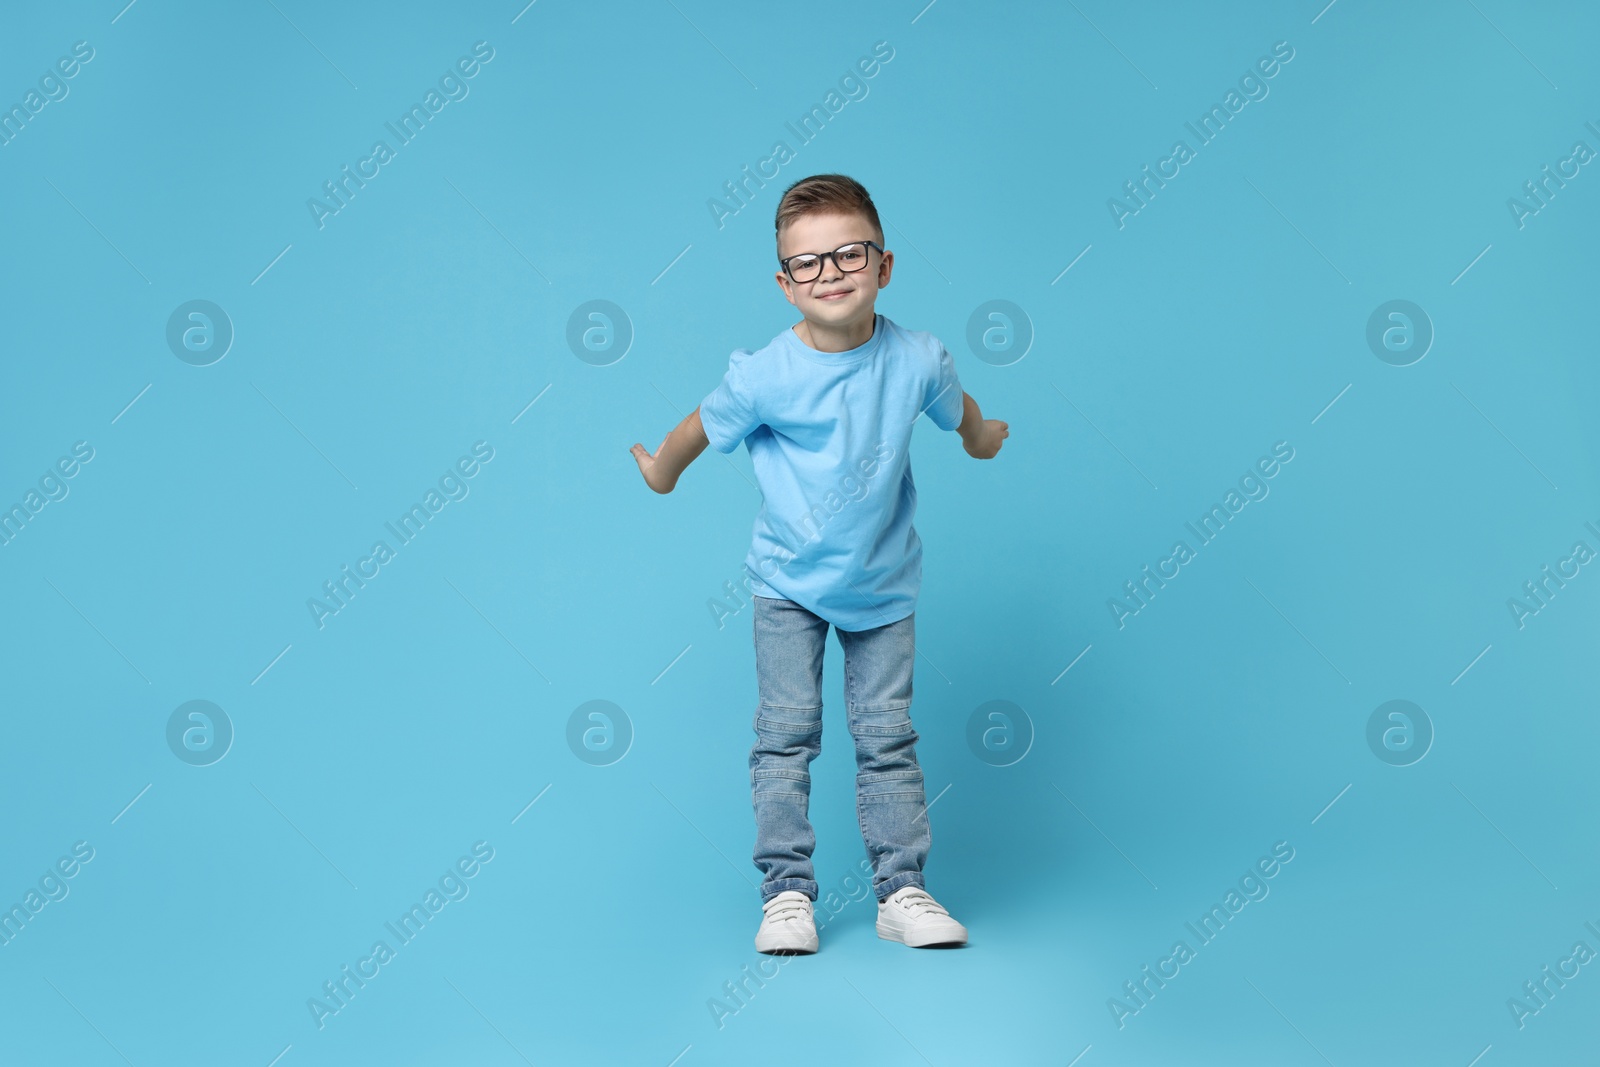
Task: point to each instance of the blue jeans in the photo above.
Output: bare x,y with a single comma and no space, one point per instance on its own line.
890,803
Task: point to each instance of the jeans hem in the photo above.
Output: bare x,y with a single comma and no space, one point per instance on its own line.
899,881
805,885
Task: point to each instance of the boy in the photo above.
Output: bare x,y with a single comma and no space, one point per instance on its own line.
826,411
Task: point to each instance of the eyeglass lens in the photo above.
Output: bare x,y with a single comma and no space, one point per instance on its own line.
808,267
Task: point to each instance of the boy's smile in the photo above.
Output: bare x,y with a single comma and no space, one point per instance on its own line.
839,305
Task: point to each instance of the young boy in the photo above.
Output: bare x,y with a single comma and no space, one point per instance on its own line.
826,411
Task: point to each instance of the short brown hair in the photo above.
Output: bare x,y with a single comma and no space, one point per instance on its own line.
827,194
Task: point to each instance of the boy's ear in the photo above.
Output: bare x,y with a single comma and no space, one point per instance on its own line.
787,287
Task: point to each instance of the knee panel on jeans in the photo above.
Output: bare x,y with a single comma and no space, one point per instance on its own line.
799,722
786,735
787,740
889,720
892,785
885,746
768,783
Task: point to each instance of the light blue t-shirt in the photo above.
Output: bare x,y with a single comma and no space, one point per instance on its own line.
829,435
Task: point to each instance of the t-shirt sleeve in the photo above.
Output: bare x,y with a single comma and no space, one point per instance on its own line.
728,413
943,399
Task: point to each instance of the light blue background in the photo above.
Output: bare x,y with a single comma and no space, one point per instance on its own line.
427,714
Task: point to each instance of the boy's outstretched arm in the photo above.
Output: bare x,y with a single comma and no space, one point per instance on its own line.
981,437
676,451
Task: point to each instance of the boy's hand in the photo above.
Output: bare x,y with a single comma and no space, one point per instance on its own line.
985,441
675,452
655,476
981,437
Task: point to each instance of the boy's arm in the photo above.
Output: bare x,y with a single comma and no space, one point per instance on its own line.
679,449
981,437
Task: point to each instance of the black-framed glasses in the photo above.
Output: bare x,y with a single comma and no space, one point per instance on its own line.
807,266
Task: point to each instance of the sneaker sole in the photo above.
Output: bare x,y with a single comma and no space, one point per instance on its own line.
789,950
890,933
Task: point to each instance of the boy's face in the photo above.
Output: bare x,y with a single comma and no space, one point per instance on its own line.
834,298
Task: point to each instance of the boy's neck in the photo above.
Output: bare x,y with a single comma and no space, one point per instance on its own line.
827,337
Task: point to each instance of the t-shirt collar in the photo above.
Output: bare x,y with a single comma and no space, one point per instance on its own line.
848,356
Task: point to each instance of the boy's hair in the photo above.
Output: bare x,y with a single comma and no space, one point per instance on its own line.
833,194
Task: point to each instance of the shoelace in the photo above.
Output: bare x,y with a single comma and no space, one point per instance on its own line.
919,904
787,910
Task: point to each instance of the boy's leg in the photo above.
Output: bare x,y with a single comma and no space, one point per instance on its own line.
890,802
789,642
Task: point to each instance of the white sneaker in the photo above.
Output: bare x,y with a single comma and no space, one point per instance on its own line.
787,927
912,917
